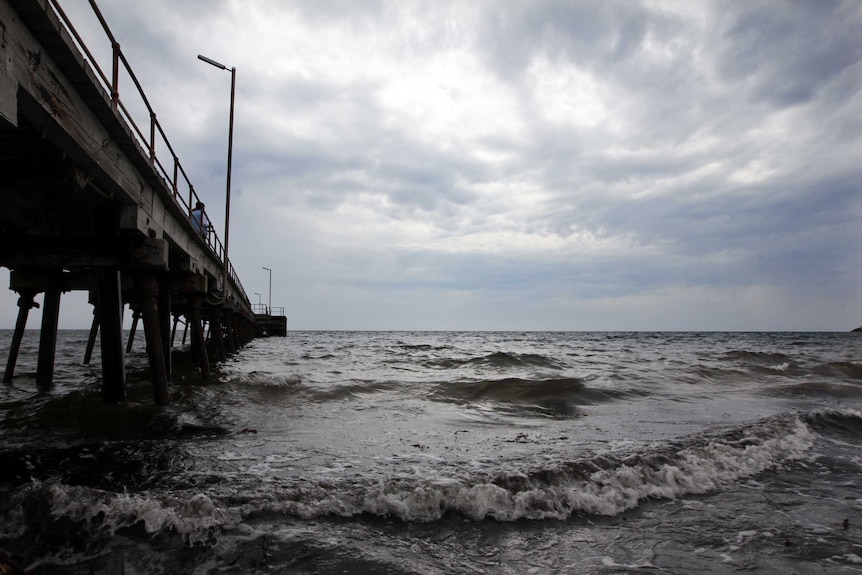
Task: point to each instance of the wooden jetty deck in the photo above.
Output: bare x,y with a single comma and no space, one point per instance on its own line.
91,201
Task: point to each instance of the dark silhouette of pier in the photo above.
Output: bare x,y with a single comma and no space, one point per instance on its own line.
91,200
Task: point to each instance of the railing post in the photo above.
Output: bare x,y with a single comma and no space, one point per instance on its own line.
115,76
176,174
152,136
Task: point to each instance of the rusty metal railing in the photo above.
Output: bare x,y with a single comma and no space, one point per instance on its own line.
176,176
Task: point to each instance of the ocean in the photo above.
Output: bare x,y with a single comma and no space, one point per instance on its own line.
444,452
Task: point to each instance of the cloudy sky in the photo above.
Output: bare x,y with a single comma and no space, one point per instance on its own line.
508,165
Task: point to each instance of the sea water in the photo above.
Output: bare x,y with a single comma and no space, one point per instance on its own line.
439,452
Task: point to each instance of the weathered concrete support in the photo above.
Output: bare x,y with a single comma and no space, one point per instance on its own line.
25,304
248,330
164,300
234,334
199,348
230,345
110,313
245,331
48,334
237,331
218,335
91,340
136,315
147,293
236,325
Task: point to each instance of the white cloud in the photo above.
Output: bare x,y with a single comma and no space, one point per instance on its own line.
566,95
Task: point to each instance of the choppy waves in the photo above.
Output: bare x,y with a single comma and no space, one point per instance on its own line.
451,431
604,483
538,390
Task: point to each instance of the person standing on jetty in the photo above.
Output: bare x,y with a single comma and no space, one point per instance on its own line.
199,220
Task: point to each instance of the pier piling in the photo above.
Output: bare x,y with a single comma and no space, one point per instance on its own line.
110,308
91,339
199,347
25,304
136,316
147,292
217,335
164,305
48,334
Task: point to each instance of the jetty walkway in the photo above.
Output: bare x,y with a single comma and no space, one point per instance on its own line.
92,200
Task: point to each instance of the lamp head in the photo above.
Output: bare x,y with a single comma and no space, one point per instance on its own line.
212,62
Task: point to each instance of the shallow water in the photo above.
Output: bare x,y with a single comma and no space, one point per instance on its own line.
432,452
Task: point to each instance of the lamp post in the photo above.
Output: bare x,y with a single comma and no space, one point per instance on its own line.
269,310
258,297
229,158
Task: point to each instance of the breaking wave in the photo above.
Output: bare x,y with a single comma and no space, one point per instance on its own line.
602,484
605,484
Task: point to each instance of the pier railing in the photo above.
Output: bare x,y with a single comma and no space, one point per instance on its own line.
263,309
174,176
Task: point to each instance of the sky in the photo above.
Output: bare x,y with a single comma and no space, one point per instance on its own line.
514,165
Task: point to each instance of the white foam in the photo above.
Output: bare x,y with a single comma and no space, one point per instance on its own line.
234,456
416,495
197,519
427,489
609,562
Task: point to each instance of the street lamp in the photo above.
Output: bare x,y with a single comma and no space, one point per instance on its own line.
270,290
258,297
229,158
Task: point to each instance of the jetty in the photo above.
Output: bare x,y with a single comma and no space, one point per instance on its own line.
269,320
94,199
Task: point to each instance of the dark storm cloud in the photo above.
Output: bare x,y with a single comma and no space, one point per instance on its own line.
598,34
611,162
785,52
